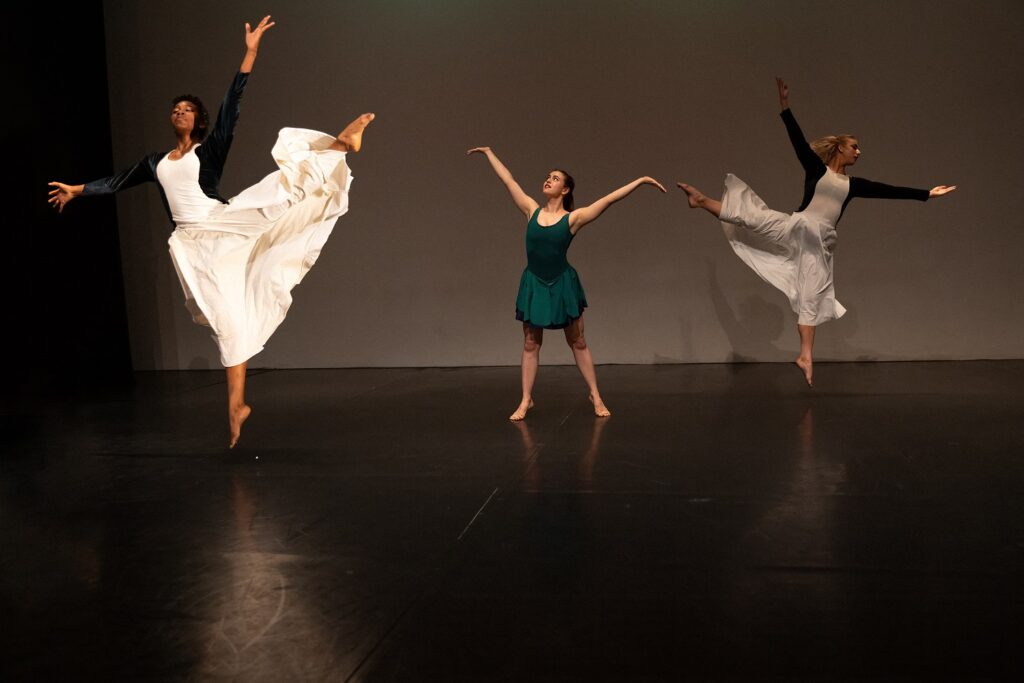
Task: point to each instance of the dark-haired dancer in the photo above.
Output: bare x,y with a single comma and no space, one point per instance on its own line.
238,260
793,252
550,294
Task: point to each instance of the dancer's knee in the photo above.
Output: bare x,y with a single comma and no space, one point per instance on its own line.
577,343
533,337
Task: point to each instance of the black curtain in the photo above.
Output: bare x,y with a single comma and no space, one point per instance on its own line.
66,330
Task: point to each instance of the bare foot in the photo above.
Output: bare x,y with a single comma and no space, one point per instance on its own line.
521,410
352,137
694,197
235,419
599,408
807,365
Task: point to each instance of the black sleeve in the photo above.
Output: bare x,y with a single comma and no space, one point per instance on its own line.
214,150
860,187
811,162
142,172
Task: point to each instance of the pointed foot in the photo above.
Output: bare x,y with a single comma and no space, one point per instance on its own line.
236,417
352,137
694,197
806,366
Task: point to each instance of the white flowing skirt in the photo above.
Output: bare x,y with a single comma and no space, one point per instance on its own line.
238,266
791,252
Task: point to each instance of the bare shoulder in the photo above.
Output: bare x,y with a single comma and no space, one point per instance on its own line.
530,207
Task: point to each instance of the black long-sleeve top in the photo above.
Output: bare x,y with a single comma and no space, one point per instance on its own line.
212,153
814,168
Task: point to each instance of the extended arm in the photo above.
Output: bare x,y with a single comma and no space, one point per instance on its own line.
582,216
215,148
811,162
860,187
141,172
523,202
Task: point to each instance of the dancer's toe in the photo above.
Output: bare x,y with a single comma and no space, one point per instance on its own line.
521,411
600,410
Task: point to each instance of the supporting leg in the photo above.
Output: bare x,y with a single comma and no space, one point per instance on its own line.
585,362
805,361
238,411
533,337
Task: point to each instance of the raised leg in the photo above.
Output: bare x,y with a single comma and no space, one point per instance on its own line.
238,411
533,337
585,362
698,200
351,139
805,361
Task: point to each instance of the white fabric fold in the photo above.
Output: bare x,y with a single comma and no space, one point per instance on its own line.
791,252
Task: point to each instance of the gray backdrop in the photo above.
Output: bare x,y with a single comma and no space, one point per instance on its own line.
423,269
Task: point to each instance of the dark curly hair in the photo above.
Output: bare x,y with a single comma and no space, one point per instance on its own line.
202,116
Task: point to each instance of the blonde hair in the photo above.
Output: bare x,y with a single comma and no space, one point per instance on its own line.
828,146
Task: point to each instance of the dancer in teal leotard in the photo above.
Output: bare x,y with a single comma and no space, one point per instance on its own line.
550,293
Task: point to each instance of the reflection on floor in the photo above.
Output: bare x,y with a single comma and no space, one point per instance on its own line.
726,523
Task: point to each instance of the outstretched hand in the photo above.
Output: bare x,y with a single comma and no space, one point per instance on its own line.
61,194
783,93
651,181
940,190
253,35
482,150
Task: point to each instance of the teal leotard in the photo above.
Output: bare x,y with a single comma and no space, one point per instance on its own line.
550,293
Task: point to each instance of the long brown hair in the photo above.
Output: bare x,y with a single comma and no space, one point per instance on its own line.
568,203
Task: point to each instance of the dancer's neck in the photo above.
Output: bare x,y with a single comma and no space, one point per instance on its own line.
554,205
185,143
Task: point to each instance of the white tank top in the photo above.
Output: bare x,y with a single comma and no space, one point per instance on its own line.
825,208
179,179
829,194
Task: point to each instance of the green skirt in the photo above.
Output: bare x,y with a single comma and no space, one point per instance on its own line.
552,304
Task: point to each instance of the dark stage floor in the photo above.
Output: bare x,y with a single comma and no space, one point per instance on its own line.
725,523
